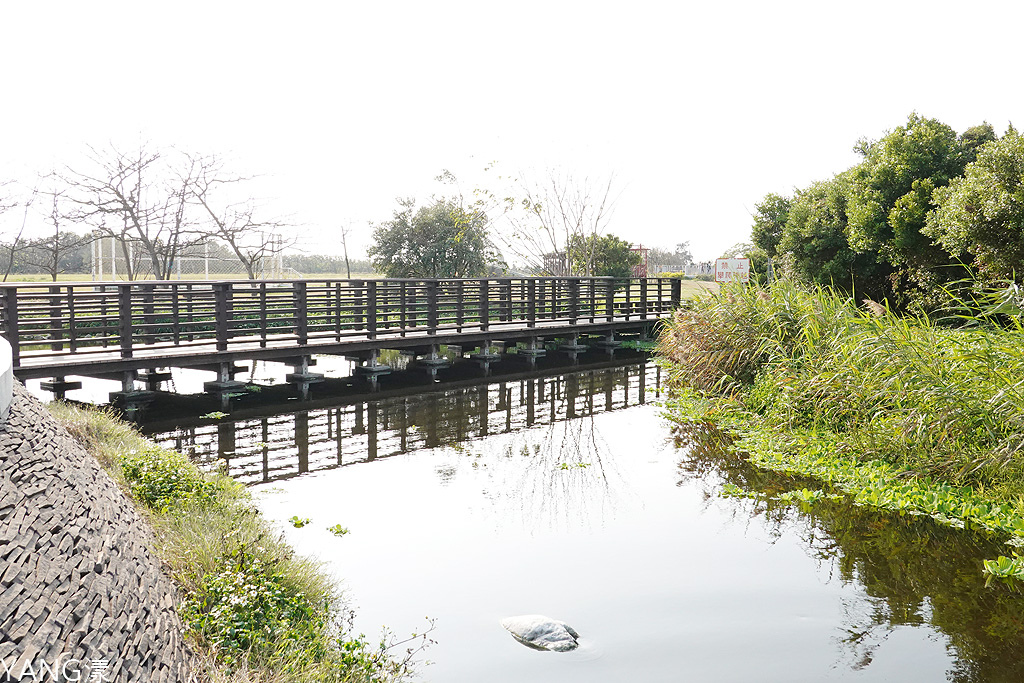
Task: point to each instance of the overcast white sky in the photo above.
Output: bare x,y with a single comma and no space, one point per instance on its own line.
699,109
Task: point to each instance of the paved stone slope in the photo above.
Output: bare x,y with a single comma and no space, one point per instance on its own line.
77,581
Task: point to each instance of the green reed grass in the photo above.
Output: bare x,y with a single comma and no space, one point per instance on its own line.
929,398
812,381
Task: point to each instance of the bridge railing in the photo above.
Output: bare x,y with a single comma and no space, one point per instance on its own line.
48,320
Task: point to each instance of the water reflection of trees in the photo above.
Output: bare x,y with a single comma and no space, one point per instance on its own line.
557,476
914,570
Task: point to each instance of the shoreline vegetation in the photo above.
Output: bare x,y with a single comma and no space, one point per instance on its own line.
251,609
916,415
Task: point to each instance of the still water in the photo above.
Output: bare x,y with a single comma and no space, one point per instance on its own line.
570,496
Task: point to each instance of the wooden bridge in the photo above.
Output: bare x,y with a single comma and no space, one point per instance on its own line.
119,329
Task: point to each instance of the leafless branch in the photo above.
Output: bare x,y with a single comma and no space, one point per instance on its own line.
546,216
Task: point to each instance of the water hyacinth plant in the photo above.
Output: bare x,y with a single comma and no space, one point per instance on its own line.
913,414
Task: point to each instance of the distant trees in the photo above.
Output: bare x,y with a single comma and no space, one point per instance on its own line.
309,264
679,256
601,255
868,229
442,240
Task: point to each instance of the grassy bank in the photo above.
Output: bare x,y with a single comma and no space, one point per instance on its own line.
901,413
252,610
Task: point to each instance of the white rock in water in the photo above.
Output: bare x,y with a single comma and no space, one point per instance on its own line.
537,631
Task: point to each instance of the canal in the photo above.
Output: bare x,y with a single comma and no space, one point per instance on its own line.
565,492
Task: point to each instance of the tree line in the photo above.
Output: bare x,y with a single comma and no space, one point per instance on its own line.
925,207
159,207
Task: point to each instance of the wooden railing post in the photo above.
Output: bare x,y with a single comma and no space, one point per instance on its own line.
485,304
677,292
175,318
301,312
592,298
56,319
358,303
574,300
11,322
264,332
627,306
460,305
643,298
431,306
506,305
72,334
403,306
371,309
221,312
124,318
147,313
609,299
531,302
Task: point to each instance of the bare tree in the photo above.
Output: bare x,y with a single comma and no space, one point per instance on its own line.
51,253
546,217
254,242
141,200
16,243
7,201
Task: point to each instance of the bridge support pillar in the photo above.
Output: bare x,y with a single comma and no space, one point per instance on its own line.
224,382
59,386
433,361
573,348
301,374
486,356
609,343
372,370
154,379
533,351
129,399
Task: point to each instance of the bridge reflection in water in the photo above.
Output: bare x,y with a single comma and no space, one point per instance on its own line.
271,448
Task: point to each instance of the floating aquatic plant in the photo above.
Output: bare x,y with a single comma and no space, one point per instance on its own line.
900,413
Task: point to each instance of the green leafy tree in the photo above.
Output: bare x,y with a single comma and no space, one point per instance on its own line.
890,195
865,228
815,244
770,217
980,216
443,240
601,255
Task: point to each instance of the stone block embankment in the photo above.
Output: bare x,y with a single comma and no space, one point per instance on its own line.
81,595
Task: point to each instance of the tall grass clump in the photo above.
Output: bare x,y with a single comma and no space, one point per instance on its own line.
252,609
795,367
